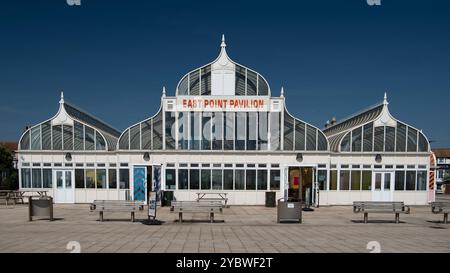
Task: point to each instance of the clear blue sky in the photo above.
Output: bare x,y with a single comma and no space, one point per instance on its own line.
334,58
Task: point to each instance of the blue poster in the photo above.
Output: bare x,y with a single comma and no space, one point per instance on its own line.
157,181
139,183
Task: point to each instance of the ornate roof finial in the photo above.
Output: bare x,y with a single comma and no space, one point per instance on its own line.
223,44
282,92
62,98
385,98
164,91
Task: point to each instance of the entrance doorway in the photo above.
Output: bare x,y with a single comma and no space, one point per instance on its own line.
301,184
382,186
63,186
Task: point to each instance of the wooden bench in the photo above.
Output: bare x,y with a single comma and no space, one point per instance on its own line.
117,206
210,207
441,207
367,207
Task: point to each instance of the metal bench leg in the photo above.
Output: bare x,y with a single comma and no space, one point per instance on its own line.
366,217
445,218
101,216
132,216
211,217
397,218
180,217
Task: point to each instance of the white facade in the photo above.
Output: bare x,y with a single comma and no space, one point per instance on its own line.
223,131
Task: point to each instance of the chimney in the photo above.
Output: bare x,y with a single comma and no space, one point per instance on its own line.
333,121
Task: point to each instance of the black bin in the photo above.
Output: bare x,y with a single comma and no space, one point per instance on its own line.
166,199
271,199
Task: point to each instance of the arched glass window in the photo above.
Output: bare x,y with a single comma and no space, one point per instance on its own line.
183,88
412,140
423,143
311,138
46,136
345,143
379,139
135,137
356,139
36,138
288,132
25,142
300,136
124,141
389,145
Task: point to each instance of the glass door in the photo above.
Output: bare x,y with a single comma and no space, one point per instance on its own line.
64,188
382,186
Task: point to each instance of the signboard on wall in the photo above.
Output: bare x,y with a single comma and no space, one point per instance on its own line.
236,103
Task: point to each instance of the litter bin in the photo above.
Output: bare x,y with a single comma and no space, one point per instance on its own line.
270,199
167,197
40,206
289,212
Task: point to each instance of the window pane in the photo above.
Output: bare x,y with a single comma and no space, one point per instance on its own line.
170,179
356,139
194,179
25,141
333,180
263,89
228,179
275,180
311,137
217,130
170,137
379,139
112,179
345,143
275,131
146,135
229,131
322,179
47,178
322,142
251,83
89,138
300,133
183,87
206,179
123,141
423,143
240,81
157,132
412,140
68,137
356,181
183,130
194,83
240,130
366,180
99,142
251,180
101,179
410,180
79,178
36,138
344,183
239,179
57,137
183,178
90,179
135,137
206,130
252,127
79,137
206,81
217,179
401,138
37,179
262,180
288,132
421,180
390,139
124,175
368,137
263,122
400,180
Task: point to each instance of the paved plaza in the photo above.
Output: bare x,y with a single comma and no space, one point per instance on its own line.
245,229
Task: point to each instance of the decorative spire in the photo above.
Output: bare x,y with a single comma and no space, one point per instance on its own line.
223,44
61,101
164,91
282,92
385,102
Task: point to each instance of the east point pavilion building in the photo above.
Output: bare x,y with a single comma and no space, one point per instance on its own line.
223,131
